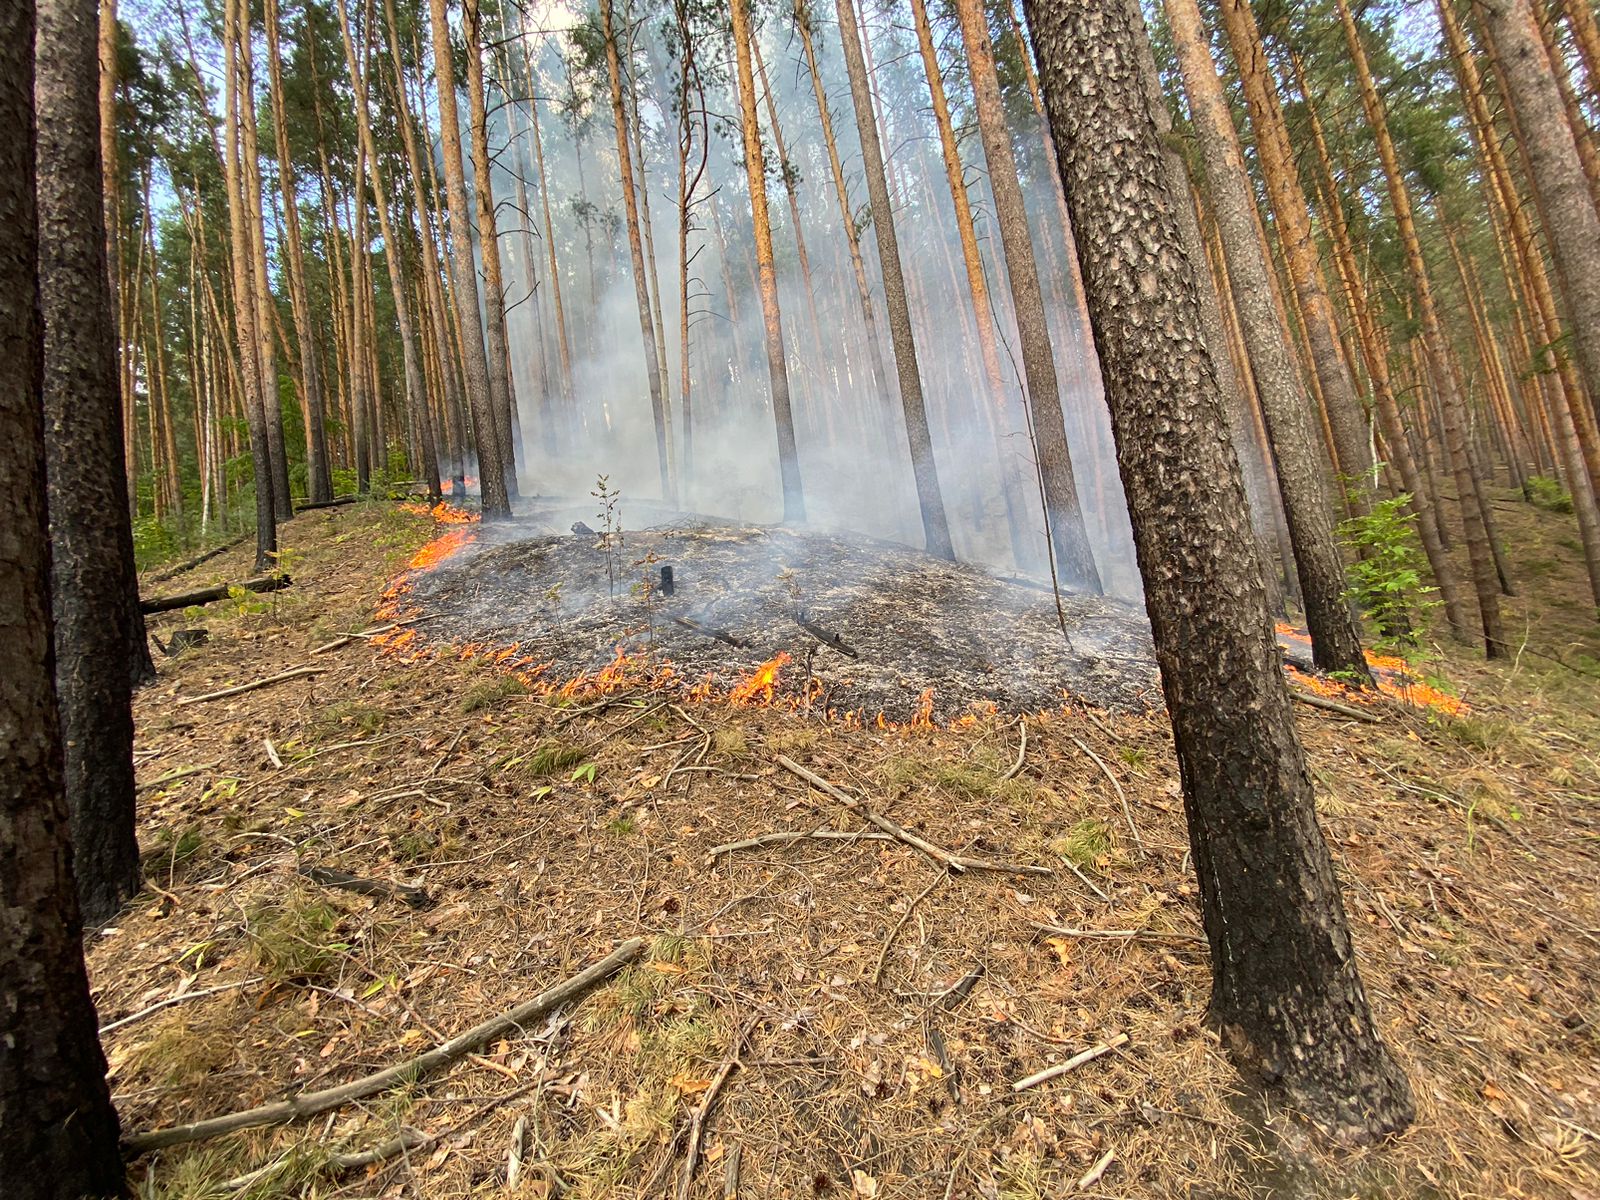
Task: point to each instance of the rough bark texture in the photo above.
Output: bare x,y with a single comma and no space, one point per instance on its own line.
1068,536
1335,641
97,620
935,529
641,287
464,278
1286,992
1572,225
1293,218
59,1139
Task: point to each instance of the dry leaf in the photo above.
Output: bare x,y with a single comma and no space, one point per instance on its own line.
689,1085
863,1185
665,968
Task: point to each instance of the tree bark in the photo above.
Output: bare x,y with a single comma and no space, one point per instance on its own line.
1286,992
464,278
1068,536
60,1140
1335,640
794,505
930,499
641,287
99,633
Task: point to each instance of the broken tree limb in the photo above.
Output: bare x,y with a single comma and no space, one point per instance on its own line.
1312,700
786,836
309,1104
382,888
1127,810
831,640
956,862
283,677
336,502
210,595
204,556
721,635
1072,1064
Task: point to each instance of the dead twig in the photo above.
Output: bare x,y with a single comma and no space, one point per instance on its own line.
382,888
883,955
171,1000
1022,752
697,1126
1127,810
1311,699
955,862
361,635
174,776
787,836
309,1104
1092,1175
1072,1064
269,681
1122,934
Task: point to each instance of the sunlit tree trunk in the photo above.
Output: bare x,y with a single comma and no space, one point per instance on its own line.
930,499
563,345
1069,538
1292,215
1285,992
1335,640
1474,512
641,286
491,460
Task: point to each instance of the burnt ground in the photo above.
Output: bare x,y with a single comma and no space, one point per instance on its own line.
547,828
907,623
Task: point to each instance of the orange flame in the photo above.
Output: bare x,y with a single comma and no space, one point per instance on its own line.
759,687
1393,675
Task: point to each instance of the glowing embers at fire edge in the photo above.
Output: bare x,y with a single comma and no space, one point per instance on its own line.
1394,677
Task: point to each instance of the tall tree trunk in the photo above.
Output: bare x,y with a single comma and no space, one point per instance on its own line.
319,483
882,396
563,345
1572,226
464,277
1285,989
111,187
427,464
241,255
60,1135
1068,536
100,648
794,504
1335,641
1474,513
992,397
1300,250
930,500
502,393
641,286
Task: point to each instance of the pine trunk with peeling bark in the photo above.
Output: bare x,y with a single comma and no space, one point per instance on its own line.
464,279
930,499
1069,537
1286,993
1335,640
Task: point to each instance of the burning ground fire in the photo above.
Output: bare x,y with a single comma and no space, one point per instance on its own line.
1394,676
765,686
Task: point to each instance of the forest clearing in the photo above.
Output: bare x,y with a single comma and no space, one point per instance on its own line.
994,599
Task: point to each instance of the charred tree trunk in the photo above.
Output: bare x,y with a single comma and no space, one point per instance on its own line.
935,528
1286,993
60,1139
100,643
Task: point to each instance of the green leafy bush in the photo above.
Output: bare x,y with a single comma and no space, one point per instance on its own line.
1388,578
1548,494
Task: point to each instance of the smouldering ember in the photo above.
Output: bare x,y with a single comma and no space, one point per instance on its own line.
841,625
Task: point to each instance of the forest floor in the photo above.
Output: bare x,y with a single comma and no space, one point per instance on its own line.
879,1009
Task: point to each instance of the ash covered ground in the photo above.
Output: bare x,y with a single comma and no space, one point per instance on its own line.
913,622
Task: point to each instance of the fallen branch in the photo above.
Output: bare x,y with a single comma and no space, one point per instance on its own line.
1022,752
284,677
697,1126
831,640
788,836
336,502
721,635
1312,700
1127,811
174,776
883,955
382,888
1072,1064
204,556
364,634
309,1104
209,595
1093,1174
955,862
1117,934
171,1000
